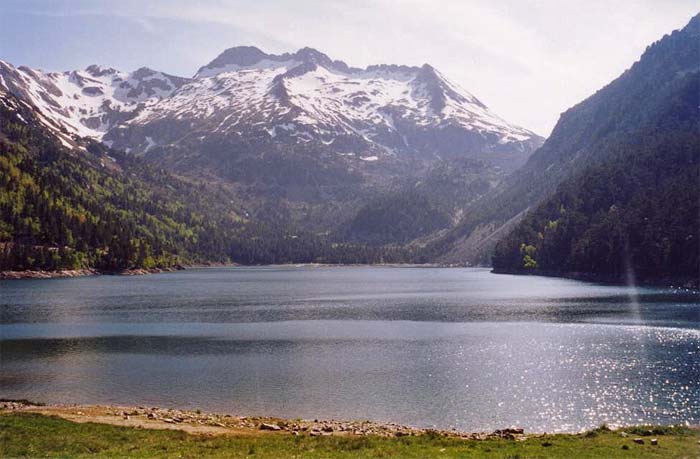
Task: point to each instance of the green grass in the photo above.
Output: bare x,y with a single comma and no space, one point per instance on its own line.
33,435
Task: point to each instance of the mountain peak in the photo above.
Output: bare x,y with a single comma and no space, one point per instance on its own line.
239,56
308,53
312,56
99,70
143,72
693,26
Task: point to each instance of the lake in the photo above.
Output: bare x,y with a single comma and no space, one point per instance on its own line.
428,347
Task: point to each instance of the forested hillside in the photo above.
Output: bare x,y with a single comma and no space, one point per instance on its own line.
634,211
635,215
63,208
654,101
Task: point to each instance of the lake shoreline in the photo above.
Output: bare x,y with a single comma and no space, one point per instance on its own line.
196,421
685,282
88,431
28,434
68,273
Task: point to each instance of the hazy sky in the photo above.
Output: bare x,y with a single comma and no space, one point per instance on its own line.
527,60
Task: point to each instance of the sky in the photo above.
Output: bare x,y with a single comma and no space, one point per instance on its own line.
527,60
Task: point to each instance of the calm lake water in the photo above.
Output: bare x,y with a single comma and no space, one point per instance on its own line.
459,348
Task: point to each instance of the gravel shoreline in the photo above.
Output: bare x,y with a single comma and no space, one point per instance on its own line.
211,423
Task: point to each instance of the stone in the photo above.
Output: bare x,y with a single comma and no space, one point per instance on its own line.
638,441
265,426
654,441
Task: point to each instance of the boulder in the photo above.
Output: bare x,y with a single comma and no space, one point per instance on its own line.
265,426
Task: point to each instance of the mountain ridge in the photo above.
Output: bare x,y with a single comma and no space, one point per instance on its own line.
147,89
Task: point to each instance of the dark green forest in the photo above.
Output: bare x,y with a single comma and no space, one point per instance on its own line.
635,208
630,147
635,215
63,208
399,217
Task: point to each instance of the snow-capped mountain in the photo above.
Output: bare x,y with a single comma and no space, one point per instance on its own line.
88,102
306,101
303,101
296,137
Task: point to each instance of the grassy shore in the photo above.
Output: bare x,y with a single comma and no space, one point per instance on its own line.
27,434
